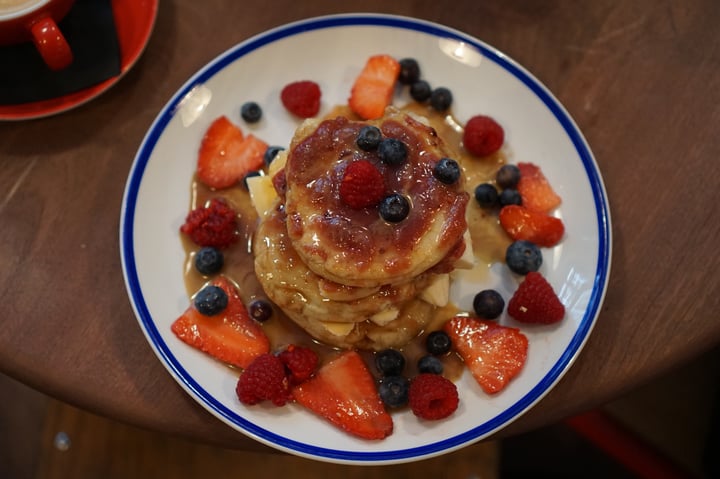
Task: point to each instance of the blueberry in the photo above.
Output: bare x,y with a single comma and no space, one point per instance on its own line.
209,260
251,112
447,171
249,175
510,196
211,300
430,364
441,99
488,304
409,71
420,91
369,138
392,151
390,362
523,256
271,153
394,208
260,310
486,195
507,176
394,391
438,343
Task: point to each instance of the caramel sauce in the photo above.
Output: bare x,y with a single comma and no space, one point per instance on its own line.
489,244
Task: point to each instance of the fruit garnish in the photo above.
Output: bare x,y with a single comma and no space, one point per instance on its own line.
301,98
441,98
343,392
488,304
300,362
483,136
362,185
373,88
229,336
263,379
214,225
432,396
523,256
535,301
226,155
521,223
535,190
493,353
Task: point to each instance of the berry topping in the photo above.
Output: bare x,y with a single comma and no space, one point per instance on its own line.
483,136
390,362
507,176
536,192
509,196
208,260
394,391
523,256
373,88
251,112
420,91
270,153
226,155
212,225
486,195
535,301
343,392
300,362
493,353
432,396
430,364
392,151
260,310
394,208
231,337
369,138
409,71
438,343
488,304
264,379
447,171
521,223
441,98
210,300
362,185
301,98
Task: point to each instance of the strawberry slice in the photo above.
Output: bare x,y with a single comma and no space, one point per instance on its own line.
493,353
535,189
521,223
343,392
230,336
374,87
226,155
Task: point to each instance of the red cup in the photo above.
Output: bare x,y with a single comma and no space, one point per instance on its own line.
36,21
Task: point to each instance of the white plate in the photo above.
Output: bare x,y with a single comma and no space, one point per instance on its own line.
331,50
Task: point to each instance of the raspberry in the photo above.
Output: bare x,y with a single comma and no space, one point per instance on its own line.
300,362
214,225
301,98
483,136
263,379
362,185
535,301
432,396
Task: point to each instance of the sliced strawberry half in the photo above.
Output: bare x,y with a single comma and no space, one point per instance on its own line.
374,87
535,189
521,223
343,392
493,353
230,336
226,155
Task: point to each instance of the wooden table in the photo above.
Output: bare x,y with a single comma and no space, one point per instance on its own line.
641,78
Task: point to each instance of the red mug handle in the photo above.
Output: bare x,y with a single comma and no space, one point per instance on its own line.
51,44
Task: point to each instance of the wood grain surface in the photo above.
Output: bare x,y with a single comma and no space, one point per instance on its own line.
641,79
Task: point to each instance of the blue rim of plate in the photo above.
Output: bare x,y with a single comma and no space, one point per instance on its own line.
483,430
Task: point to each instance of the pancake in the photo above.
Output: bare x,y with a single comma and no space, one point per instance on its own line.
356,247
